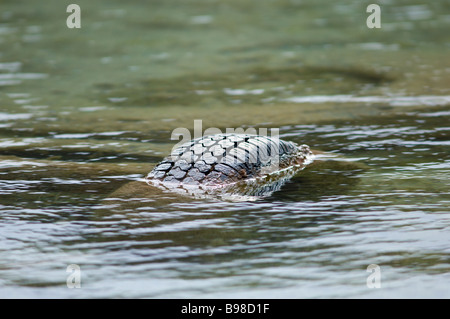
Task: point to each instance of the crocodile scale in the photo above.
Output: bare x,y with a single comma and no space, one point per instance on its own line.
223,159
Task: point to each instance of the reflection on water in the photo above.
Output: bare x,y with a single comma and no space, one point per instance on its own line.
382,198
85,114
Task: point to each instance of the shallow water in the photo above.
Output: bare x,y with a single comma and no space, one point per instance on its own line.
85,114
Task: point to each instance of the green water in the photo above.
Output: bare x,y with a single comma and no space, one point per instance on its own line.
86,113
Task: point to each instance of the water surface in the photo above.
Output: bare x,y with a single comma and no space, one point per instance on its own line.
85,114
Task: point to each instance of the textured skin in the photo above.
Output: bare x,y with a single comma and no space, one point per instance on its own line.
227,158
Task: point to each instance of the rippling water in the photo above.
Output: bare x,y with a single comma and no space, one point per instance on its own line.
85,114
